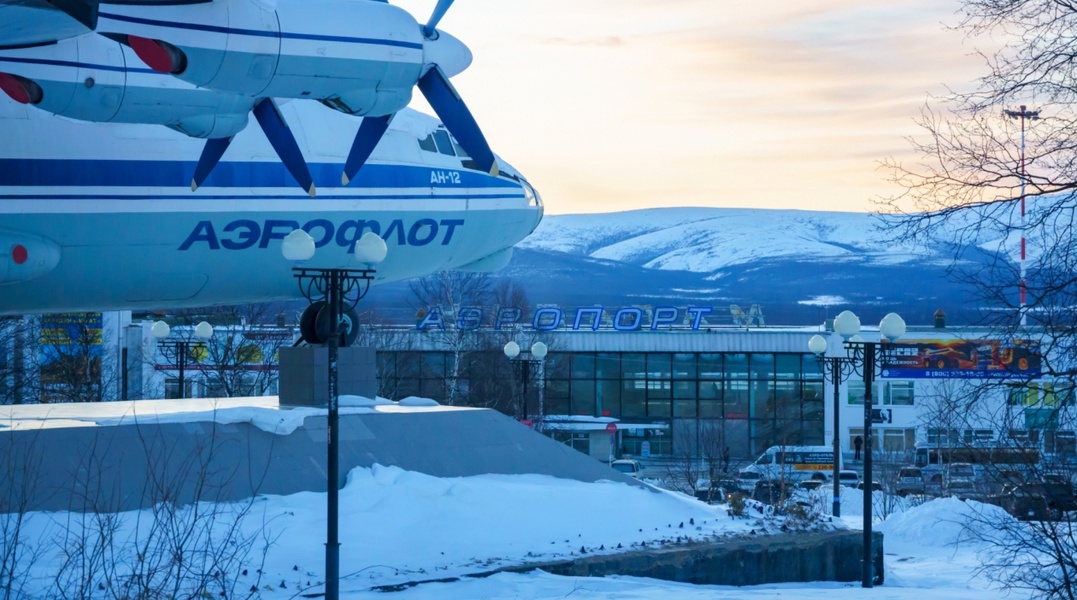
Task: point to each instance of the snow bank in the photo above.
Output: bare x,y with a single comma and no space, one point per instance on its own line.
940,523
272,420
364,402
416,401
280,421
398,526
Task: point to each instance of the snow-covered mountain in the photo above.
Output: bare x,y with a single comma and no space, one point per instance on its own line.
707,240
799,266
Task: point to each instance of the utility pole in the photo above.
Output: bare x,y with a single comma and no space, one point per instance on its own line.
1023,115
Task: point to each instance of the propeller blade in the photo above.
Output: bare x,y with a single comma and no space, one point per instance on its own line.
83,11
282,140
366,139
448,105
211,155
435,17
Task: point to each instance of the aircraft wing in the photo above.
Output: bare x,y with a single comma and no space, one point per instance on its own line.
33,22
30,22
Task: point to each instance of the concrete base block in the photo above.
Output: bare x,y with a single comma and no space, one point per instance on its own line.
780,558
304,374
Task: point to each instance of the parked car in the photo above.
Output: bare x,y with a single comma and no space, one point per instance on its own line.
910,481
627,466
1039,501
746,481
849,478
961,480
875,486
772,491
718,492
811,484
933,484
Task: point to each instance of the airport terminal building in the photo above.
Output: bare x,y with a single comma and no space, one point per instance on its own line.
671,392
693,392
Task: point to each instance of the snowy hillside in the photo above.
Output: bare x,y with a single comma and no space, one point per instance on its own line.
799,266
705,240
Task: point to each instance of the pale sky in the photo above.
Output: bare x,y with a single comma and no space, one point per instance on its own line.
609,105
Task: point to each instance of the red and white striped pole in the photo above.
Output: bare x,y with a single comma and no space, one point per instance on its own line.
1029,115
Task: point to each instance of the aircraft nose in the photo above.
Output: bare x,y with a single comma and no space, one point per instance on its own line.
534,200
447,52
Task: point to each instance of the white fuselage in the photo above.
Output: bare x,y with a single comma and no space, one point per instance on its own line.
101,216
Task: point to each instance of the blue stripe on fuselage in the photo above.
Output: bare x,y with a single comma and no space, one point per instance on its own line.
75,65
172,173
301,197
257,33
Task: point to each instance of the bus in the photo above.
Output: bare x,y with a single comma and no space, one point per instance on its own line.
936,457
793,463
989,464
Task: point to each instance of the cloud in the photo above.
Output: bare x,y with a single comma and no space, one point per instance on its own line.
786,103
604,41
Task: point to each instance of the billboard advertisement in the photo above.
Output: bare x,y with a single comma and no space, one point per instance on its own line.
65,329
71,356
969,359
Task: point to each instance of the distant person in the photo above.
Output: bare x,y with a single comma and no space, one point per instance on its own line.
858,443
725,459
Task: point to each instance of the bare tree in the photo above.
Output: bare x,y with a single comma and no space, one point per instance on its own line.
18,349
888,467
974,190
996,180
698,467
74,364
241,359
511,306
1036,556
18,550
685,472
190,542
452,302
943,413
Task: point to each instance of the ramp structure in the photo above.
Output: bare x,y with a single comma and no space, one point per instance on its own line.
127,455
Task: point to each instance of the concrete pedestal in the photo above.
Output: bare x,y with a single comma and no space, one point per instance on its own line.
304,374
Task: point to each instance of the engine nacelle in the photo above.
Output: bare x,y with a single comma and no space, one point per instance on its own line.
357,57
24,257
92,78
83,78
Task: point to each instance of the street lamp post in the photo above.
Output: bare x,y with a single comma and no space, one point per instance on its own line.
865,354
180,349
838,366
537,355
337,289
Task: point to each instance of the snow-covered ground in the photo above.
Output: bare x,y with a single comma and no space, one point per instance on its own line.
399,527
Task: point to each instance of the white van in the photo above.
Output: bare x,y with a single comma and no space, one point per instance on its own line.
794,463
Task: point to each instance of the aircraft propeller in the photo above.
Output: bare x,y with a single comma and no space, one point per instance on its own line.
430,29
442,96
443,56
280,137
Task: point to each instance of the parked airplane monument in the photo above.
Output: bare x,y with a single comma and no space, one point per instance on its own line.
103,208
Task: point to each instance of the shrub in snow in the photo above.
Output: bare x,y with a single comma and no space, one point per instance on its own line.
737,505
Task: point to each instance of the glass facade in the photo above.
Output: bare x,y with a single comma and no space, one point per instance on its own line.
705,401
